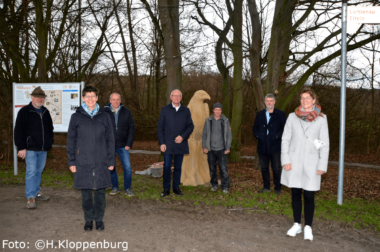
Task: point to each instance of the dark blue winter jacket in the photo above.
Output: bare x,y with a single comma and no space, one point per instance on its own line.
276,127
174,123
91,148
125,128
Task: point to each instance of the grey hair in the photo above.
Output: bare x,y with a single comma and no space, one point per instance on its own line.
115,93
175,90
269,95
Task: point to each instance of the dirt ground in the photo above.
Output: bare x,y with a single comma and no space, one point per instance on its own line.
161,226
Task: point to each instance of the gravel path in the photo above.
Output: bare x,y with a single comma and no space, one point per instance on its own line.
162,226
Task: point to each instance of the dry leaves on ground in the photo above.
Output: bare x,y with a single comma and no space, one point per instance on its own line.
358,182
357,158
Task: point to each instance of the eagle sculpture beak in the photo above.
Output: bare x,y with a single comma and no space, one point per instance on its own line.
207,97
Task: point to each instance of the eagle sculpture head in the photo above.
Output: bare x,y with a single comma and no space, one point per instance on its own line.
201,95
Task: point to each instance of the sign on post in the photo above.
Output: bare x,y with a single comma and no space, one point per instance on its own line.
359,15
368,15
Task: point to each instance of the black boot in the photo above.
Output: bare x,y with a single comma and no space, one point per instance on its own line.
99,225
88,226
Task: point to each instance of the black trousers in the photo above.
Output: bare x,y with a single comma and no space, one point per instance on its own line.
94,204
212,157
275,160
308,197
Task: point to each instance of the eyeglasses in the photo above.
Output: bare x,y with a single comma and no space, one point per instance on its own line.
307,98
90,96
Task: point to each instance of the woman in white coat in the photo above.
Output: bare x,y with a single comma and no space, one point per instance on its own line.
304,156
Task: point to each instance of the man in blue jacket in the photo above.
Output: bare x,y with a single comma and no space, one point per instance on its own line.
124,131
174,127
268,128
33,137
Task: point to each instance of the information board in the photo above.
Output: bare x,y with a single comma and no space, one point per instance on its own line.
62,100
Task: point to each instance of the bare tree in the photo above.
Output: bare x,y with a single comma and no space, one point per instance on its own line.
169,18
36,41
219,57
235,20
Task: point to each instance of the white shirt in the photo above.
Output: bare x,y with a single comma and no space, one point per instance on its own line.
176,108
268,118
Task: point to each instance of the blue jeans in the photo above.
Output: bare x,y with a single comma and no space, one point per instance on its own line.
126,163
212,157
168,172
275,160
35,164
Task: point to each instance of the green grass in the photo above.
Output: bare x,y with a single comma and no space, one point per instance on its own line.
49,177
356,212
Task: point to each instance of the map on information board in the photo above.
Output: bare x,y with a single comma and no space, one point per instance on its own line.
53,102
62,100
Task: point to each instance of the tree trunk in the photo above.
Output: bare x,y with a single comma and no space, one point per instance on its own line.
279,43
169,18
237,109
255,57
115,64
125,51
159,41
158,73
134,79
42,28
223,69
226,93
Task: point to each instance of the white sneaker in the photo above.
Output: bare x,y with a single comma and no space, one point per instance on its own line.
296,229
308,233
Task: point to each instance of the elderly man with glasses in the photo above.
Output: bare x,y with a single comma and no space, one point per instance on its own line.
174,128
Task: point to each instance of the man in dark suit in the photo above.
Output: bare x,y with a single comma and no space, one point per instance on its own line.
268,128
174,127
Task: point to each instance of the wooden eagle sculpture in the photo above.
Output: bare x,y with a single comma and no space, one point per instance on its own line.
195,170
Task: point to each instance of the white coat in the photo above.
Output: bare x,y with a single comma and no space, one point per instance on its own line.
301,153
